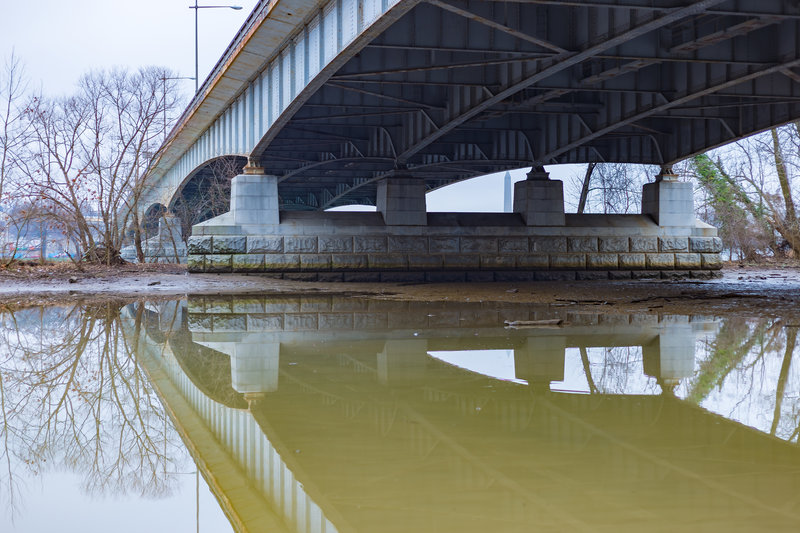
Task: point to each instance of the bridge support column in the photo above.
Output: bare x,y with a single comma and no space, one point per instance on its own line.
669,201
402,360
401,201
541,360
539,199
254,197
254,367
670,357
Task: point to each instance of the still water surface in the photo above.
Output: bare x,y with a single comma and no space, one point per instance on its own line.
328,414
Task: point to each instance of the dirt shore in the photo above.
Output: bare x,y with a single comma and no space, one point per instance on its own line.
772,290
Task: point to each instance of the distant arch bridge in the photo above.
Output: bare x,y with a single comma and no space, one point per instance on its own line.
332,96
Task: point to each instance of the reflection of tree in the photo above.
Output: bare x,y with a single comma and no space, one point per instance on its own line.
736,339
73,395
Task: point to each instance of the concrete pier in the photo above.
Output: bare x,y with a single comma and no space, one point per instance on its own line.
403,242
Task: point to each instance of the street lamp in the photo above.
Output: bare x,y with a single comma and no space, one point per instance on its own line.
196,9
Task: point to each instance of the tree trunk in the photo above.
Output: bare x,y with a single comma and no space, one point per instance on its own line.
585,187
792,228
137,237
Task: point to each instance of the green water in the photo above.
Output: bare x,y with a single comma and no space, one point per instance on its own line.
329,414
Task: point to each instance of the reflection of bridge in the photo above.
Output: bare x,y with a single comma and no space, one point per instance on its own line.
336,102
375,439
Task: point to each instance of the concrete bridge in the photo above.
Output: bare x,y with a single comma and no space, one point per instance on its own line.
360,431
338,102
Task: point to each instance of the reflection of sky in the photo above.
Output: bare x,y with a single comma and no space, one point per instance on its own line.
56,494
498,364
746,395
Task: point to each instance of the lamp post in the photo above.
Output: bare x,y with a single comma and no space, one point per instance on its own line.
164,86
196,9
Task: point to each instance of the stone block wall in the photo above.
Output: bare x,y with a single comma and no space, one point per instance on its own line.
459,254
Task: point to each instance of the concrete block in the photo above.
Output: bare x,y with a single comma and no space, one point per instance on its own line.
619,274
587,275
349,261
673,244
631,261
229,323
301,322
497,262
247,262
330,277
336,321
362,277
315,261
245,305
567,261
447,245
512,245
199,245
407,244
613,244
254,200
687,261
335,244
644,244
264,245
675,274
702,274
371,244
445,277
218,263
403,277
370,320
387,261
401,201
307,245
462,261
646,274
425,261
711,261
659,261
669,203
486,245
196,263
229,245
533,261
602,261
581,244
281,262
548,244
554,275
705,244
513,276
264,322
540,202
300,276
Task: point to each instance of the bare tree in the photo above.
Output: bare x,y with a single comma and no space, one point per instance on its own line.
91,152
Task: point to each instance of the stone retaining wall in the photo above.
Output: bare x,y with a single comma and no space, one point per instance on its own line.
441,254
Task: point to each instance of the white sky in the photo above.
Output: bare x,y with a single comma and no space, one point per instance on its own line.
59,40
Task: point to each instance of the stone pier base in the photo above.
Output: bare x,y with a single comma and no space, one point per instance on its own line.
341,246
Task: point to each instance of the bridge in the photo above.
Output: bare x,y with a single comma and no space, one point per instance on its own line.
362,430
374,102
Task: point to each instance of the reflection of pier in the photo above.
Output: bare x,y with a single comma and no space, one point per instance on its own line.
374,435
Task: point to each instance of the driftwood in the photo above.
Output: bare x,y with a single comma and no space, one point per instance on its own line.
548,323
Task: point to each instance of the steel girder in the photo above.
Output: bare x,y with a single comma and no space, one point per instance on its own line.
459,88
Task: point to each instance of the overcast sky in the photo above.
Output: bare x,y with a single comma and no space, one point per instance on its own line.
58,41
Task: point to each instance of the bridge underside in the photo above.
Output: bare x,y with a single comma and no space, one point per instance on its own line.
455,89
433,92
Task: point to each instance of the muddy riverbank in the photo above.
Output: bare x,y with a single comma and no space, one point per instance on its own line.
745,291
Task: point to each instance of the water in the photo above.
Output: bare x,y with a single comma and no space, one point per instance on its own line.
330,414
